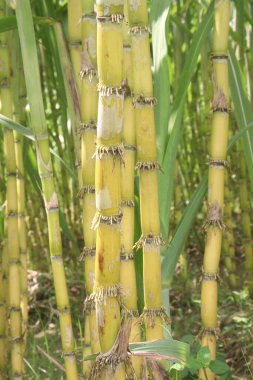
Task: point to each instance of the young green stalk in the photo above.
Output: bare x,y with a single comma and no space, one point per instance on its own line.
74,36
38,123
217,163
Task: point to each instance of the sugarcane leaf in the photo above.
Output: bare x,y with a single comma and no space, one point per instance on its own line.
159,17
10,22
243,110
67,232
166,179
170,349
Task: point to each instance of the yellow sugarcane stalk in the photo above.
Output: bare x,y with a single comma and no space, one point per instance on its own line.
154,315
11,214
38,123
127,268
74,36
109,156
217,163
89,105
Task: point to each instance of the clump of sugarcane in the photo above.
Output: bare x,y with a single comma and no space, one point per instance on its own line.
38,123
107,221
88,128
228,242
11,213
127,268
217,164
154,314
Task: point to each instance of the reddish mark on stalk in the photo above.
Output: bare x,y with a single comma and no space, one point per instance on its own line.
101,262
101,330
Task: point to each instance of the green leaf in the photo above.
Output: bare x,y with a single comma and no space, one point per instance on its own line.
193,364
243,110
159,17
204,356
219,367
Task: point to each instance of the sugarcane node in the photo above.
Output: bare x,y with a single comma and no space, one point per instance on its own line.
127,203
104,219
148,165
157,370
52,205
214,217
135,30
116,18
88,305
14,262
126,89
144,101
89,16
68,354
17,376
4,83
87,126
149,316
16,340
115,151
219,102
87,252
128,313
11,214
126,256
101,293
119,354
210,277
88,72
217,163
65,310
214,331
222,58
87,189
56,258
74,43
11,174
46,175
130,147
108,91
150,239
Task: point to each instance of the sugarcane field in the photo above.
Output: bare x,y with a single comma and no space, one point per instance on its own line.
126,189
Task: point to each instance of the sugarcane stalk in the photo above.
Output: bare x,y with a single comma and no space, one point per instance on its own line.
11,212
217,163
109,156
74,36
154,314
3,313
89,105
38,123
127,267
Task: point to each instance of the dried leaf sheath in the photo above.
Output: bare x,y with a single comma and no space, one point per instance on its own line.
217,149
